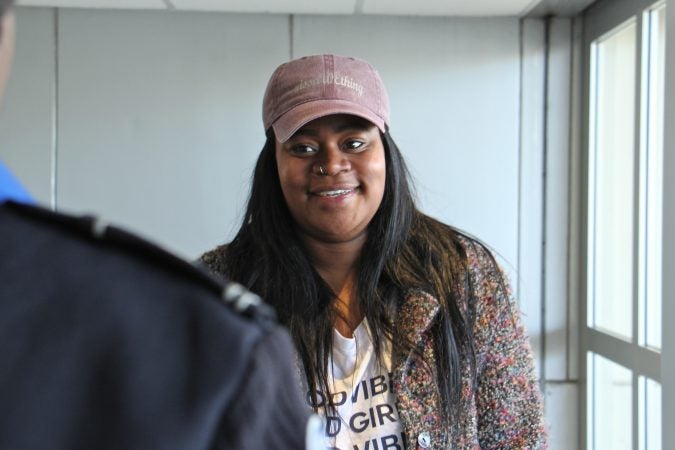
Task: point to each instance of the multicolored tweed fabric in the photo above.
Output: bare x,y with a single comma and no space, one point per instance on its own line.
505,410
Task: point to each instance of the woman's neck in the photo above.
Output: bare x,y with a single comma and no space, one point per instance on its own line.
337,263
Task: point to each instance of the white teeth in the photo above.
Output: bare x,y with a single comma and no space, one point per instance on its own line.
334,193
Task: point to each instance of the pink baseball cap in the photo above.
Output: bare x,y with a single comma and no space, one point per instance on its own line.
305,89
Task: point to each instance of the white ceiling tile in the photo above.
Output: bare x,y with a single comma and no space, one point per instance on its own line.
106,4
269,6
449,7
386,7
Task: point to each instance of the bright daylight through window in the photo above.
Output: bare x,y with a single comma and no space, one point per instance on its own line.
625,201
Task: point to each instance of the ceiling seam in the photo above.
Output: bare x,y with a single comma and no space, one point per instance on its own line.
358,6
291,33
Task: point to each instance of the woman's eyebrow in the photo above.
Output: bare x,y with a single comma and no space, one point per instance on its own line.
306,131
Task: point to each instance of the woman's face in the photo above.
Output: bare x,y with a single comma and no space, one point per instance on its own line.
338,204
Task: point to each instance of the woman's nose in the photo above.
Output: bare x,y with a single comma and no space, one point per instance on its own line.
332,161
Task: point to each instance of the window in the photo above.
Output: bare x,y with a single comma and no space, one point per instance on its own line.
611,181
622,336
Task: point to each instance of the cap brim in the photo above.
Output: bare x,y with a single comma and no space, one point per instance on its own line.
286,125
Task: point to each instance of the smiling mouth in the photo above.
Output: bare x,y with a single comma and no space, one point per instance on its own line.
334,193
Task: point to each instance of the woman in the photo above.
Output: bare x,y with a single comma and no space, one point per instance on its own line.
404,326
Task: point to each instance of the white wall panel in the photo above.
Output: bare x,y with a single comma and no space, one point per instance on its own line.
562,415
557,200
454,88
159,118
668,356
159,125
26,115
576,212
531,188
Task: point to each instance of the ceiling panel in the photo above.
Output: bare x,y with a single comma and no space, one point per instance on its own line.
269,6
565,8
106,4
386,7
449,7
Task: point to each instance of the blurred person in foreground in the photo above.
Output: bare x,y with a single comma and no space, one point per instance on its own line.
109,342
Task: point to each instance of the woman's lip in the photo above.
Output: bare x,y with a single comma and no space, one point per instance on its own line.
333,191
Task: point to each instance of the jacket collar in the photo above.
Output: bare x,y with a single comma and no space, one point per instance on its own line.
416,315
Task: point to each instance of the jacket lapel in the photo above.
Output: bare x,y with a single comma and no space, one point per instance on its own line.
414,362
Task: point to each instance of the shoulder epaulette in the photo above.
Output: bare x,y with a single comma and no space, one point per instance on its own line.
93,228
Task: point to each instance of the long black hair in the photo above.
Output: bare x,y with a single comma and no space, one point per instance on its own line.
404,250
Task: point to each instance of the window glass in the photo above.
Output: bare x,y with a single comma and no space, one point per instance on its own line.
611,404
612,197
650,414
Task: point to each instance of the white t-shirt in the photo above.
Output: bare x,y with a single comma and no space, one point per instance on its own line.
367,418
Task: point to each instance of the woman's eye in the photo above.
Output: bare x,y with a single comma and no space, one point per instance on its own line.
302,149
354,145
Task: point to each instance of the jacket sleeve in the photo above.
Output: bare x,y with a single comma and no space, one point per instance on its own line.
508,397
268,411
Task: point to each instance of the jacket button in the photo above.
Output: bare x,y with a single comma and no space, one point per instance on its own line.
424,439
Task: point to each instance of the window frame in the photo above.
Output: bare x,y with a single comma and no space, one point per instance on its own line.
603,17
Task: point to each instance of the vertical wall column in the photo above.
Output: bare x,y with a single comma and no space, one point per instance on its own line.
549,148
529,283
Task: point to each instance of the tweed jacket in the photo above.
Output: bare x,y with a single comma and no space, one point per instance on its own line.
504,411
